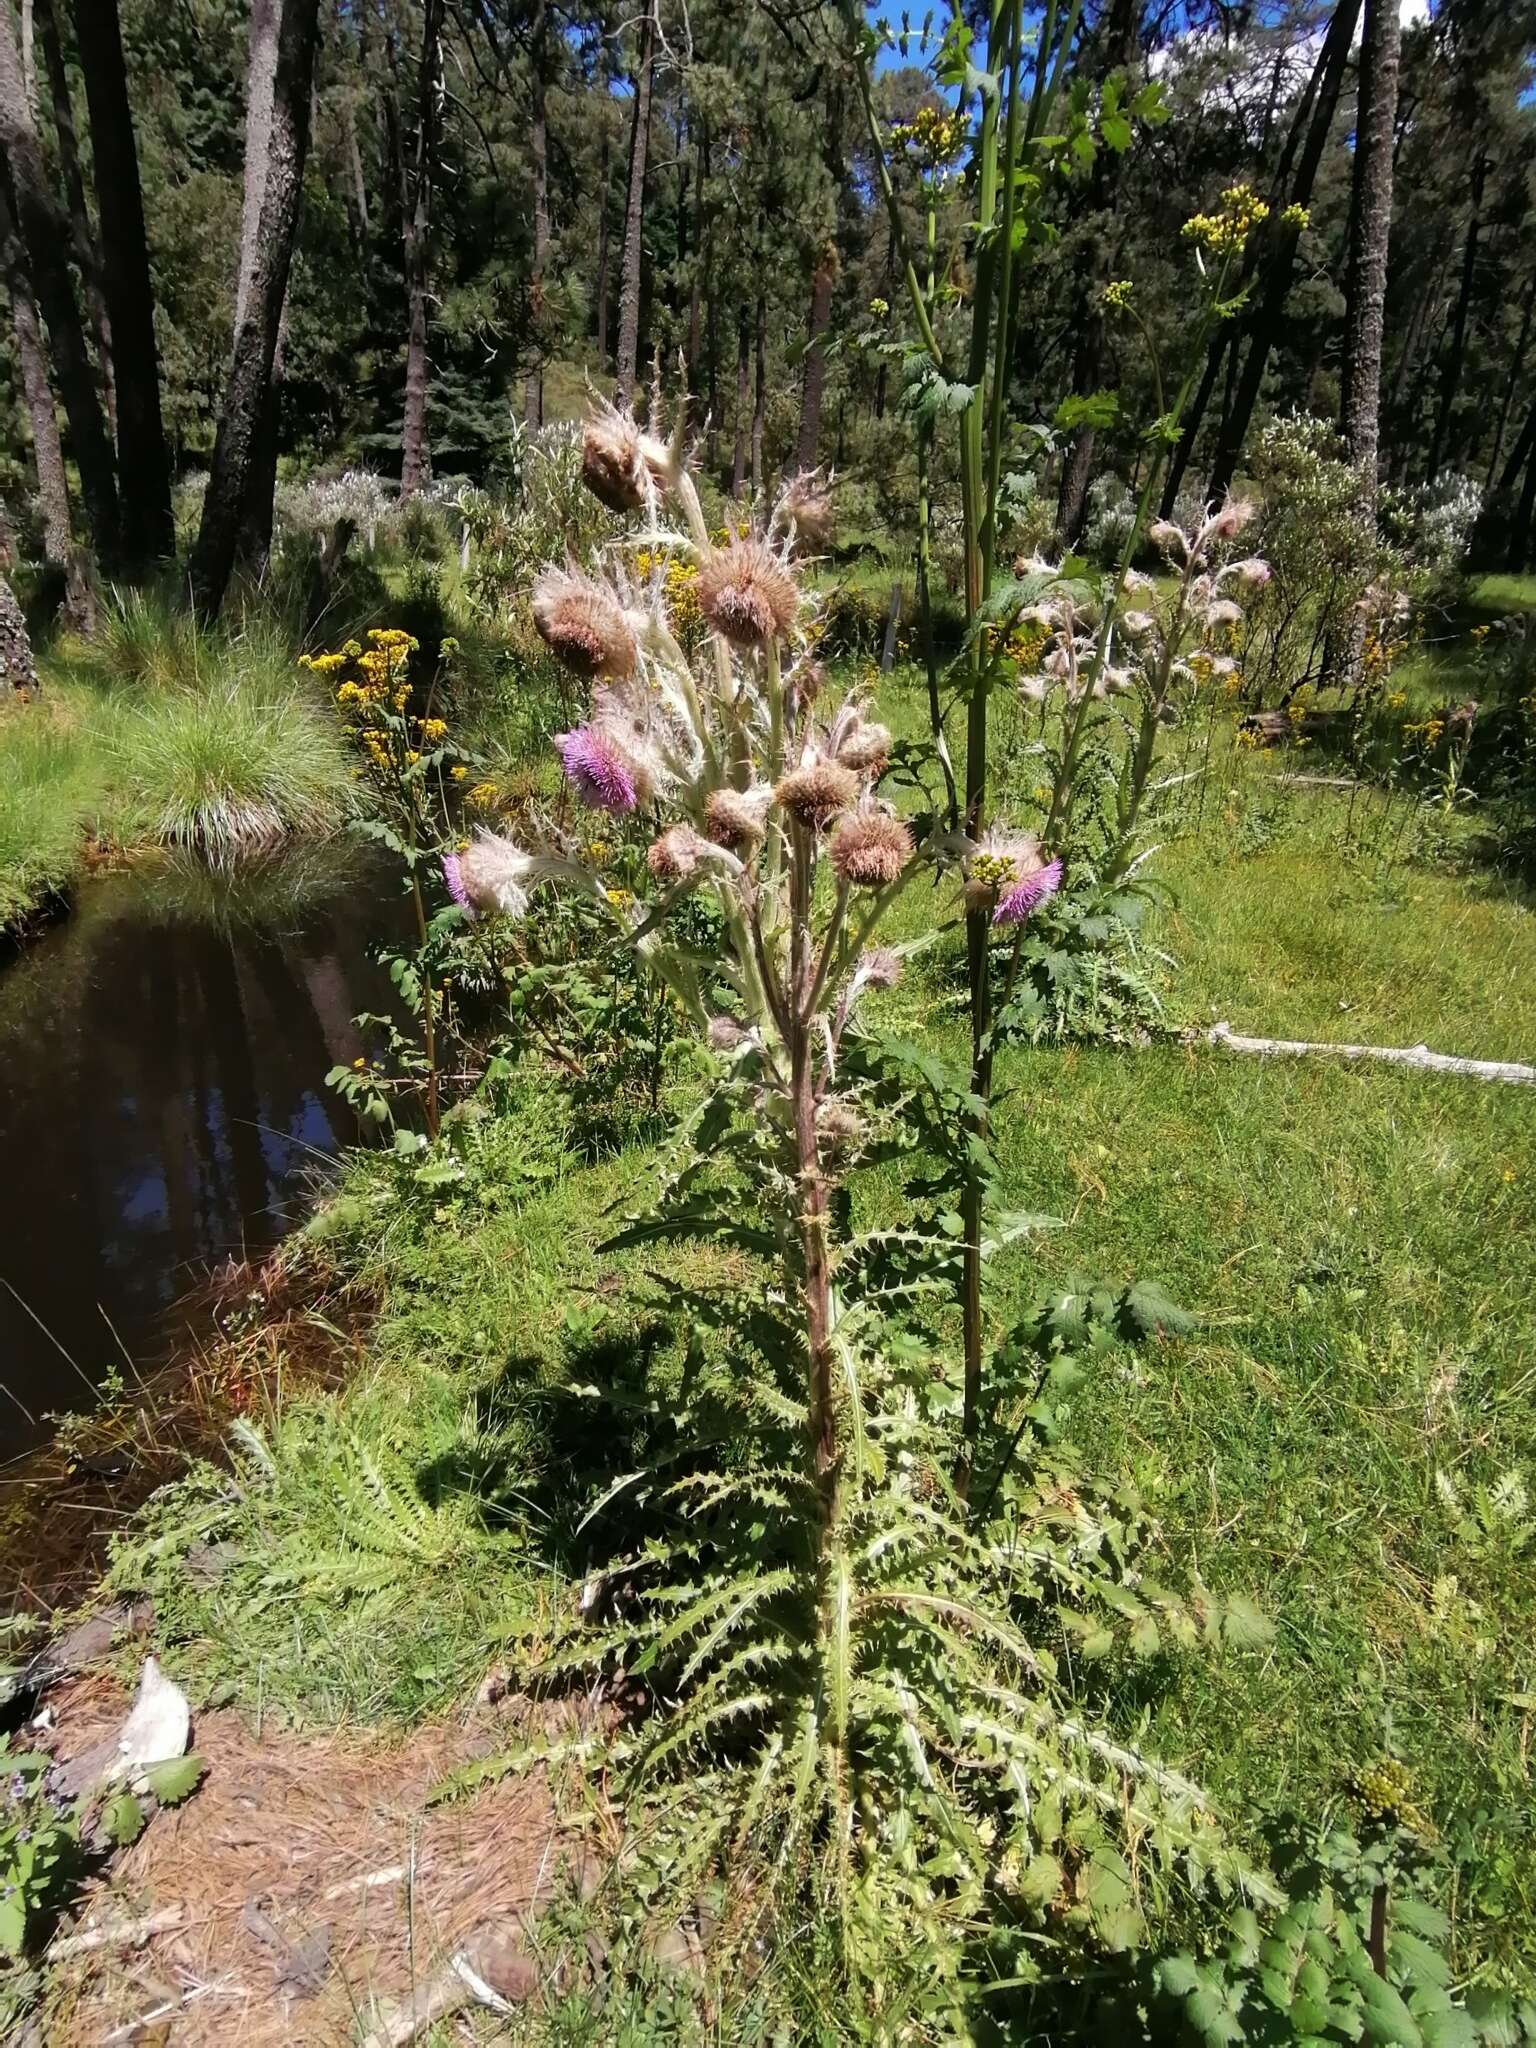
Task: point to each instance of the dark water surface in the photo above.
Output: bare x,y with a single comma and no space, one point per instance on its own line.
162,1101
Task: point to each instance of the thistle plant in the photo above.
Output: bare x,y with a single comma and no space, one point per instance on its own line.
1160,654
847,1676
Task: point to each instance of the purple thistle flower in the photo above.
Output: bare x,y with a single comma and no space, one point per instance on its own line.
596,769
1017,903
455,882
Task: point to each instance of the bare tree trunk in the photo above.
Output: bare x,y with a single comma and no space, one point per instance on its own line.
1516,370
415,449
250,376
760,394
602,257
148,532
1450,381
45,239
355,168
1264,323
1370,229
82,238
1117,51
1228,335
16,663
815,382
47,451
743,383
1525,513
538,146
255,538
634,213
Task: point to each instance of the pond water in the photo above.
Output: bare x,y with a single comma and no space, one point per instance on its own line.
163,1107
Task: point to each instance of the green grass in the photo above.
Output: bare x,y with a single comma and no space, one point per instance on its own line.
161,733
50,781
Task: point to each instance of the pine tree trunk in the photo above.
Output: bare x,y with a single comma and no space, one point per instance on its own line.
1263,326
255,537
415,449
1228,335
47,450
355,168
16,664
602,257
1370,229
1119,48
760,394
538,149
45,239
148,533
1520,538
1512,382
238,447
82,237
743,386
815,383
1450,382
634,213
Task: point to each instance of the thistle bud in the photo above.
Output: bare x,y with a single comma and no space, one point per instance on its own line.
725,1034
806,506
870,849
674,857
866,749
583,625
610,461
1253,571
1164,534
737,818
839,1127
1232,518
816,792
490,877
1136,624
881,967
747,594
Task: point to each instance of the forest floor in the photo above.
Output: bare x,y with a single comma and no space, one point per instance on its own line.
1349,1434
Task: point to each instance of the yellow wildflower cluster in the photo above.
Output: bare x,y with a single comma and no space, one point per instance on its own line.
1296,217
1117,294
992,870
483,796
1224,232
680,582
1384,1792
1247,737
936,136
878,308
1427,731
1026,644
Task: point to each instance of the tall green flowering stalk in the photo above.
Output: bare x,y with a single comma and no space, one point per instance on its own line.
1013,155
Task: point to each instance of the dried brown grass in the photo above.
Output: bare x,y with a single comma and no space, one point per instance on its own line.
297,1833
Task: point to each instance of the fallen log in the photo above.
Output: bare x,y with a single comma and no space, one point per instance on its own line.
1416,1056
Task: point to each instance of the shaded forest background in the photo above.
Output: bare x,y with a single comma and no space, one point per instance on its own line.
492,202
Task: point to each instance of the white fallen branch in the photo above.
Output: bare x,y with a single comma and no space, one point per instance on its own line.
1417,1056
116,1934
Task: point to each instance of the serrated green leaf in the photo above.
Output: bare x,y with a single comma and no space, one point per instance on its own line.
176,1779
122,1818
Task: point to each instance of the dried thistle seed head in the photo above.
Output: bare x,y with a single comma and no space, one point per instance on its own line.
839,1127
674,857
737,818
867,749
612,466
725,1034
809,679
816,792
583,625
869,849
747,594
1165,535
1136,624
806,507
1253,571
